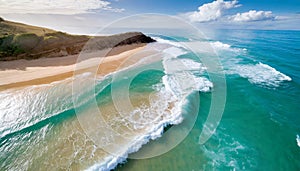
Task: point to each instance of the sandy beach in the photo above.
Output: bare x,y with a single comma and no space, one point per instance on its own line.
22,72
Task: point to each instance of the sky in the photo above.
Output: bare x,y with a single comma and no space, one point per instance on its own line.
87,16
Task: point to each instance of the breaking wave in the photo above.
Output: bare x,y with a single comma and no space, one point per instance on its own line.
261,74
180,80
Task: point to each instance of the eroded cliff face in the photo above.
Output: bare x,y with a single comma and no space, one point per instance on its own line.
20,41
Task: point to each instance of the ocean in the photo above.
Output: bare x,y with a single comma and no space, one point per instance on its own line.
226,102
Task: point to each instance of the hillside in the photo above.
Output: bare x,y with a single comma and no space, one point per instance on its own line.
21,41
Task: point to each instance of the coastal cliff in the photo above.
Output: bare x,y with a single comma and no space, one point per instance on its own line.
21,41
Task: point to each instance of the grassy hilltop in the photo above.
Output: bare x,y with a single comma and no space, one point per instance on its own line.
21,41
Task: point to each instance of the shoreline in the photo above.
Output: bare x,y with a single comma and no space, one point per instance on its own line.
20,73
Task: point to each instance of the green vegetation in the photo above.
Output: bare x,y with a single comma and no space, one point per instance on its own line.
13,45
50,38
21,41
7,48
22,36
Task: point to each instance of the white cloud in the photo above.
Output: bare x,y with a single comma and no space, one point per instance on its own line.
252,15
212,11
54,6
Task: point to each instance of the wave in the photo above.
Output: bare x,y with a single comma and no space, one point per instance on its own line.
180,78
181,83
177,84
179,65
223,46
153,132
23,108
174,52
298,140
260,74
215,44
169,42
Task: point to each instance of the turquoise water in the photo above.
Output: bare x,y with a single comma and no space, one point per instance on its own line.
260,124
41,129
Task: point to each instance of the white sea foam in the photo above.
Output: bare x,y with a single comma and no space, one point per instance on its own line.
298,140
174,51
179,65
192,65
154,130
181,78
201,46
261,74
25,107
177,84
160,40
217,44
183,83
223,46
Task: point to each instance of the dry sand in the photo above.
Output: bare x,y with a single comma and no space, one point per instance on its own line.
46,70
